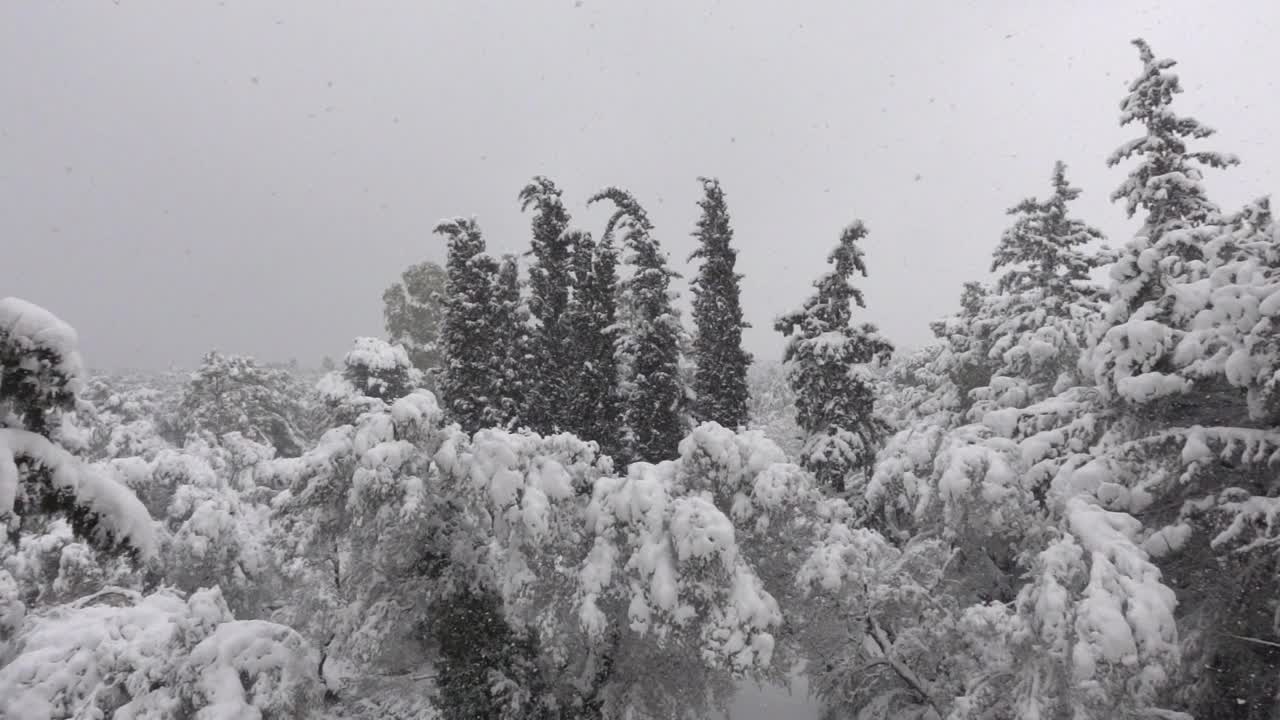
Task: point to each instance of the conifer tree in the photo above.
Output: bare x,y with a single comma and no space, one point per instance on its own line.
513,374
467,336
1180,364
1041,252
649,347
486,669
1166,183
720,380
41,375
827,354
592,318
550,287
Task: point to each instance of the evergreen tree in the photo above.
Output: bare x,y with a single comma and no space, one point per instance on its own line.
513,374
41,375
720,381
1032,327
233,393
1042,252
486,668
1166,183
1185,370
649,348
413,310
378,369
594,402
550,285
466,338
827,354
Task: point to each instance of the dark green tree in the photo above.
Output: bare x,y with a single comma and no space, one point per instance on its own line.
720,380
594,402
555,358
648,349
467,335
413,311
486,669
513,374
826,356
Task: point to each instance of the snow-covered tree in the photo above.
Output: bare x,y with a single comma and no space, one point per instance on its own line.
380,370
551,286
649,594
827,356
233,393
356,521
1109,509
1037,319
1186,363
514,372
123,655
466,337
653,397
413,312
40,376
120,421
720,381
1044,249
595,411
1166,183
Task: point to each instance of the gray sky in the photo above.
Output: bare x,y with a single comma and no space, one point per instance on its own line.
177,176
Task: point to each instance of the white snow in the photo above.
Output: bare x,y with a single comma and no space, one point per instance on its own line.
119,511
35,328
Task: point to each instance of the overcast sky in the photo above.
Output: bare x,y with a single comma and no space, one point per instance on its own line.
179,176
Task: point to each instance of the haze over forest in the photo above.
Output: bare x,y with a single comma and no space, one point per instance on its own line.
250,176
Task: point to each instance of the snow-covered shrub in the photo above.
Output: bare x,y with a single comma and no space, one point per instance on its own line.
124,655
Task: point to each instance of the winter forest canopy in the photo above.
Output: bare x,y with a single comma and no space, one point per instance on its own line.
546,490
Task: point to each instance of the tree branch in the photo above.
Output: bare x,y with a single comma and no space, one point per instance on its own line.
904,672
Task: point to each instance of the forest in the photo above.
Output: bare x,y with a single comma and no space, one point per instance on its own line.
543,493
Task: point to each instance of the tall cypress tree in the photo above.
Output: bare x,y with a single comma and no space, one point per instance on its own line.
550,285
825,354
720,380
592,318
467,335
510,358
649,347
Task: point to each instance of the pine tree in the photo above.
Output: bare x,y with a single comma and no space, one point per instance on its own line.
550,286
1181,363
1041,252
594,402
1167,180
413,310
41,375
827,354
482,659
233,393
649,348
513,374
720,381
378,369
1043,300
466,338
